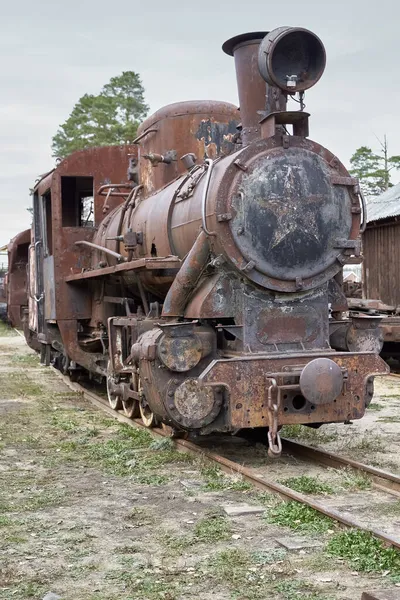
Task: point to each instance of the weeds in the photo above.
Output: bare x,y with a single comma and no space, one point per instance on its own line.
298,590
213,527
216,480
236,569
354,480
364,552
299,517
6,330
26,360
367,442
308,434
308,485
15,385
392,419
375,406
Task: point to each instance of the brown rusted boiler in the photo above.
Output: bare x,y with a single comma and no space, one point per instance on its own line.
215,283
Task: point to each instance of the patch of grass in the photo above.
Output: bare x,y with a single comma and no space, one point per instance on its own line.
298,517
364,552
307,434
393,419
24,591
148,585
213,527
367,442
389,508
268,557
43,499
375,406
177,543
138,438
141,516
308,485
216,480
26,360
62,420
127,549
298,590
230,566
127,453
162,444
5,521
15,385
354,480
6,330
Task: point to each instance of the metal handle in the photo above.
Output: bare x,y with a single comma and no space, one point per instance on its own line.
142,135
210,165
363,204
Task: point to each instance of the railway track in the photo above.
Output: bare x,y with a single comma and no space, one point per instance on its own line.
381,480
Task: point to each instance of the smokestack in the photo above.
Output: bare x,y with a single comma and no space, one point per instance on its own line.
255,96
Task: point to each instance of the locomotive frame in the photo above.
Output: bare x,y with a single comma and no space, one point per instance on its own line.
201,290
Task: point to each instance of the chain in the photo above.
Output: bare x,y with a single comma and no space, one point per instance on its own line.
274,440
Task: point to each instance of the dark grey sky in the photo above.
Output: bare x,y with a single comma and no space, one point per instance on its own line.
52,52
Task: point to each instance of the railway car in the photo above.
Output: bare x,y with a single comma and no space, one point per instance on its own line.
205,285
381,273
15,283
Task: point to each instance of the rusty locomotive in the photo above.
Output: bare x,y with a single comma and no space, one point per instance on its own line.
13,290
206,286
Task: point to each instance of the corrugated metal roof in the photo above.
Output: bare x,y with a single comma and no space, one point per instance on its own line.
384,206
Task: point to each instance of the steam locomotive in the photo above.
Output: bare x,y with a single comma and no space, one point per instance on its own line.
205,286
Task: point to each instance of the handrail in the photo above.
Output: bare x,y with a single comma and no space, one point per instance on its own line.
119,257
210,163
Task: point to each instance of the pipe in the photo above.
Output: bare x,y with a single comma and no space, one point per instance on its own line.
251,86
256,98
119,257
131,198
210,163
187,277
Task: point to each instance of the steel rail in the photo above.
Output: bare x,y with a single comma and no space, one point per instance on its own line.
230,467
383,480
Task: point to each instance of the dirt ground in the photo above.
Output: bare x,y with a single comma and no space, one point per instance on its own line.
94,510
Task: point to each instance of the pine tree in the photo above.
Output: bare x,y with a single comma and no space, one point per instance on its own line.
110,118
373,169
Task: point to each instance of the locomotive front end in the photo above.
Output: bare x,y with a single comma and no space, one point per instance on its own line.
255,329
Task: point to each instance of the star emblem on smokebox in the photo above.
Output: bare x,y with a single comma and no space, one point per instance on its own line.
292,212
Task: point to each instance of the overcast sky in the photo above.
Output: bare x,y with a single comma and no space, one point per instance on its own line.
53,52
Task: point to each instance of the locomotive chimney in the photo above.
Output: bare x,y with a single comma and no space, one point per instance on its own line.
256,97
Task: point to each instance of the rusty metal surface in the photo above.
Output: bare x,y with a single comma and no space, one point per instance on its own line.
381,265
16,287
187,277
251,86
201,287
203,128
279,67
244,377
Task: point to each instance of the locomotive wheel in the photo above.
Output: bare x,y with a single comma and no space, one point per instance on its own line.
114,400
146,414
131,407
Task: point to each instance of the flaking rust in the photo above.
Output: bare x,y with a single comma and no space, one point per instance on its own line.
196,269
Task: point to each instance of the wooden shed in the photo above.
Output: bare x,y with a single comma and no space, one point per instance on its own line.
381,248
